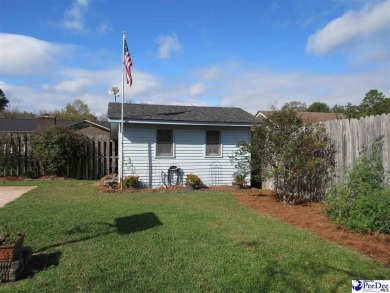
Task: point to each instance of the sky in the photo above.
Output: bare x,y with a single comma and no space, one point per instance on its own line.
248,54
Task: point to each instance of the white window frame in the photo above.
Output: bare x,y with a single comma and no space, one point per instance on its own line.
220,145
173,144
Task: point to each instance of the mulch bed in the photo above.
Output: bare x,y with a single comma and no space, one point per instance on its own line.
311,217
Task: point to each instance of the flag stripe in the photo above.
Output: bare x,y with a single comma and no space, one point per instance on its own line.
128,64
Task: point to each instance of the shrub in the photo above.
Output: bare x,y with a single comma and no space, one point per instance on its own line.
30,174
362,203
131,181
299,158
55,148
241,160
193,180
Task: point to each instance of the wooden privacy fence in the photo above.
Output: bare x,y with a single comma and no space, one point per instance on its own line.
351,135
100,159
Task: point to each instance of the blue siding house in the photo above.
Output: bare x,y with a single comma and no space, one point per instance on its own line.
163,143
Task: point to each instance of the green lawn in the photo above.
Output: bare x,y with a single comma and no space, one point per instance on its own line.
174,242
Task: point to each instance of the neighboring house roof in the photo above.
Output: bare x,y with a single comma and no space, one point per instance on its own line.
17,125
99,124
30,125
187,114
309,117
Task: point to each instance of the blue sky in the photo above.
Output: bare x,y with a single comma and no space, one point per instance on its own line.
248,54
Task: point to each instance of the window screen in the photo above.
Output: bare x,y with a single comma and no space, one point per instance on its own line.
213,143
164,145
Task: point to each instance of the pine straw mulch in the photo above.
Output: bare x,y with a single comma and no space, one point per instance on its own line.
311,217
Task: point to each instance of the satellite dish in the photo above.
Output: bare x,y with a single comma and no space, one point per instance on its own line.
113,91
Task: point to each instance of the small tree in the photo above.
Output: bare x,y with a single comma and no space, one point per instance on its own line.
55,148
298,158
241,160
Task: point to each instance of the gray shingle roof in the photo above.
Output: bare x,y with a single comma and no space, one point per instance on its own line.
309,117
17,125
179,113
29,125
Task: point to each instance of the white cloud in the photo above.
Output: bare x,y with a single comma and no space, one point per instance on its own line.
104,26
210,73
256,90
21,55
168,44
351,27
75,86
197,89
74,17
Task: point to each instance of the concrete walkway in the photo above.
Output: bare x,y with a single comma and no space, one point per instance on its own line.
10,193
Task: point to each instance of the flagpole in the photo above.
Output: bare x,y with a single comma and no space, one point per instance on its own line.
123,101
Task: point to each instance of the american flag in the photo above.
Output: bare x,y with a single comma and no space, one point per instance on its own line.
128,64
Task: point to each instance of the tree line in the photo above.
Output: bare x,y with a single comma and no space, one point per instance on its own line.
373,103
75,111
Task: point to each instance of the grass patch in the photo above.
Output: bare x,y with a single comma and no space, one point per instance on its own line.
174,242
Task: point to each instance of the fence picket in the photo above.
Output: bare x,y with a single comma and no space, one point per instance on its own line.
349,137
100,158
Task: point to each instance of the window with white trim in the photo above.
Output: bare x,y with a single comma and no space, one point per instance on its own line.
164,143
213,143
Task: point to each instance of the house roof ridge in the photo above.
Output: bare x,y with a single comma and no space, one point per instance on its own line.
176,105
179,113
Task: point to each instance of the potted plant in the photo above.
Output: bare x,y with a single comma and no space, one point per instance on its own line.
131,182
193,181
10,246
238,181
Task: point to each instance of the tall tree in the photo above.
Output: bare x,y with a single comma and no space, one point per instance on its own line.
75,111
319,107
297,106
374,103
337,109
3,101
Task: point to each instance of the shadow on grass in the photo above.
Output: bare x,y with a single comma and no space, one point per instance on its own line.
42,261
136,223
123,226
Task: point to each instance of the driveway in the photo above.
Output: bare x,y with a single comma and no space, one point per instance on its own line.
10,193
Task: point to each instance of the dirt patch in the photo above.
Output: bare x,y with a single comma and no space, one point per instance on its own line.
311,217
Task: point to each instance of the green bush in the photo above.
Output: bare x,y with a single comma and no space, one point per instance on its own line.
362,203
299,158
194,180
56,148
131,181
30,174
